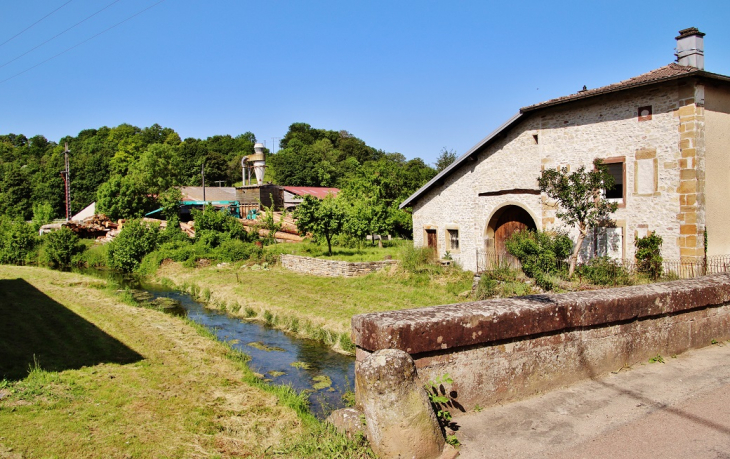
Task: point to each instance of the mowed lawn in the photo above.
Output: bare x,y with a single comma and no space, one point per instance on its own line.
86,375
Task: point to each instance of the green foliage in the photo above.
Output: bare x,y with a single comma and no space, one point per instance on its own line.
60,247
445,159
42,214
657,359
440,400
580,198
540,254
18,241
236,250
486,288
136,240
648,255
604,271
169,200
416,259
323,218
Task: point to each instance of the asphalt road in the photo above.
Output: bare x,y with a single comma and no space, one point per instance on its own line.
676,409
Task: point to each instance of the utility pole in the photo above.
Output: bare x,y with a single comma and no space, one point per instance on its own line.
274,143
66,174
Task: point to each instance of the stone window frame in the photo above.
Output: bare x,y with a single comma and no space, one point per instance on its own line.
450,239
616,160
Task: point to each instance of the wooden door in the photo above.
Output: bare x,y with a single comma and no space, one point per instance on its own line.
513,219
431,240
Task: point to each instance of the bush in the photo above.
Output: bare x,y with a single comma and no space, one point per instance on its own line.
604,271
18,242
60,247
128,249
486,288
416,260
235,250
540,253
648,255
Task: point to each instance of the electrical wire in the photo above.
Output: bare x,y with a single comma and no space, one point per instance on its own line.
81,43
59,34
36,22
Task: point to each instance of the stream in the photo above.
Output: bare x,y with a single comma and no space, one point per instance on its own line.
281,358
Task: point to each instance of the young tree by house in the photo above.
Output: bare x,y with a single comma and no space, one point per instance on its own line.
323,218
580,199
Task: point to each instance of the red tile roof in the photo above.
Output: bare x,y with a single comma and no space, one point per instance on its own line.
668,72
317,192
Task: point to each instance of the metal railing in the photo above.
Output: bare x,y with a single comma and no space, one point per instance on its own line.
682,268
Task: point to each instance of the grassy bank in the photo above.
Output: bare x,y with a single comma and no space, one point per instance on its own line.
311,306
85,375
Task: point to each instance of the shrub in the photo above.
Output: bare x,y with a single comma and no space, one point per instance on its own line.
416,259
60,247
648,255
135,241
604,271
18,242
540,253
486,288
235,250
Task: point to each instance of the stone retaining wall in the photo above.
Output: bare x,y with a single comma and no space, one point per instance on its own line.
507,349
332,268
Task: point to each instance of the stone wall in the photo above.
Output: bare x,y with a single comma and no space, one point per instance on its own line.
660,154
332,268
506,349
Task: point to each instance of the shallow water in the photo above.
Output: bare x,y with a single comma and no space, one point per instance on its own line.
273,352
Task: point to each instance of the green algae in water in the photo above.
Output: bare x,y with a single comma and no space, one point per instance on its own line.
276,373
263,347
322,382
302,365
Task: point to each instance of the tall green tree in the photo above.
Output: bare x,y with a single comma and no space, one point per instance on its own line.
323,218
580,198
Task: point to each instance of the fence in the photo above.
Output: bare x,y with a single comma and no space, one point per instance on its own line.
683,268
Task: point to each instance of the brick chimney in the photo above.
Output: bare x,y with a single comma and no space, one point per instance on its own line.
690,48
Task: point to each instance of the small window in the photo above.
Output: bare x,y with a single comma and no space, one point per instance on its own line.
453,239
617,191
645,113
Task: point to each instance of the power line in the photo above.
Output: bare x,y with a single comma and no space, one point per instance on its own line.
81,43
59,34
36,22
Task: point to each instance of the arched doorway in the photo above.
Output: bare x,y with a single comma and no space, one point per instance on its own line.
504,223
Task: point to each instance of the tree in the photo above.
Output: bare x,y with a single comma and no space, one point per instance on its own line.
323,218
445,159
581,199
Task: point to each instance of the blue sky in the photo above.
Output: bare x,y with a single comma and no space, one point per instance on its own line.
408,77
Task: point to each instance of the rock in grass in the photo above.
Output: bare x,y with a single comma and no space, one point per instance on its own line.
348,421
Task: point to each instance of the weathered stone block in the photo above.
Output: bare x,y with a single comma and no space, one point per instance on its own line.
398,414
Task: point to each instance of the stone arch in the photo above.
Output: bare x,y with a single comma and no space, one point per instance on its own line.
506,220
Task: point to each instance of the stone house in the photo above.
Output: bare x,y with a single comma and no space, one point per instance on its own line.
665,136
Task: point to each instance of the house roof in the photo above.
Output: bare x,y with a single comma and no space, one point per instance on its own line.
212,193
669,72
316,191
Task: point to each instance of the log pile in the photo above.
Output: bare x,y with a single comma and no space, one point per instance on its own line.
288,232
96,226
